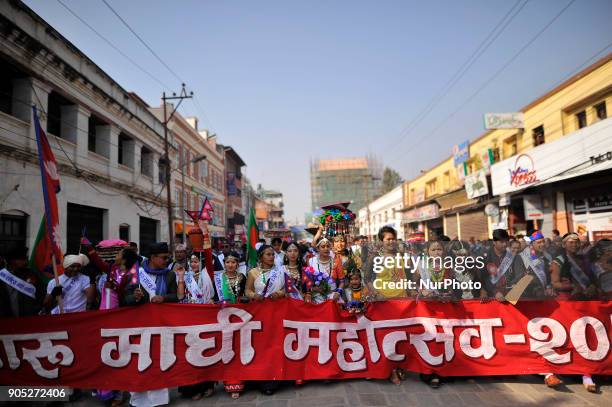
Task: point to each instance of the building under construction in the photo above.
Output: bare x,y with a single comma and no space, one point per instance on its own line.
355,180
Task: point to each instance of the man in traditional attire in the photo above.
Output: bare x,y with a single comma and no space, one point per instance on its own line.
498,274
156,283
21,291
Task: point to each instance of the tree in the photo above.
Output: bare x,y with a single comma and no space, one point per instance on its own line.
390,180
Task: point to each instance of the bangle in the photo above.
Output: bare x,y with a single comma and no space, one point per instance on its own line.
181,281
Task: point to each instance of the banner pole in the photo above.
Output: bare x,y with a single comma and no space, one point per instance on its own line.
60,300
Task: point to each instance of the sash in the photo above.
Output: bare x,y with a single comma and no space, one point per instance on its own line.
147,283
290,288
604,277
536,265
578,274
191,285
273,277
65,291
504,266
224,292
18,284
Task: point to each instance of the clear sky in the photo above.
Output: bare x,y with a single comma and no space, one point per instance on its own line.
287,81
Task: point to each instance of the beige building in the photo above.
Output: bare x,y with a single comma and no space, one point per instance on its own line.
450,198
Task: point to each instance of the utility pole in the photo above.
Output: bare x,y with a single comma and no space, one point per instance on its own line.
180,97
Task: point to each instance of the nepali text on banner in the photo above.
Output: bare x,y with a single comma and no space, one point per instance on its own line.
165,345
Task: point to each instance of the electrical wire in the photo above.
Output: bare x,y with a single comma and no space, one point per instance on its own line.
149,74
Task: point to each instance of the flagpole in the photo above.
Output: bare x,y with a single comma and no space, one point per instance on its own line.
60,300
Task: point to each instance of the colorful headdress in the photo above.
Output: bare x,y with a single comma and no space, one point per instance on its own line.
337,219
537,235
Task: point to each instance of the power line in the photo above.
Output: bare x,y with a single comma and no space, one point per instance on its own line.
464,68
495,75
113,46
553,99
143,41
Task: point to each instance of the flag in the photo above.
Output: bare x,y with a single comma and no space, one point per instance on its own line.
203,213
50,186
84,240
253,236
40,259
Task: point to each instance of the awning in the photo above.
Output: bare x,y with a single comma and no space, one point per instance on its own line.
454,200
584,169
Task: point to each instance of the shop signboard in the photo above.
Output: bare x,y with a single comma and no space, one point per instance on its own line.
533,207
461,152
504,121
422,213
582,152
476,184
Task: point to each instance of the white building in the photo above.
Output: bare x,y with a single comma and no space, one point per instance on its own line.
384,211
107,144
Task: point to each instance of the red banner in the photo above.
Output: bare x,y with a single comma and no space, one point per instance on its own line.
166,345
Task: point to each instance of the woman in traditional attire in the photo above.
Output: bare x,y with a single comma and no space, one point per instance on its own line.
111,284
432,271
320,269
570,278
267,280
230,289
293,271
195,287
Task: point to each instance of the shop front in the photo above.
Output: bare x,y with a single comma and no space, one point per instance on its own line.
425,219
564,184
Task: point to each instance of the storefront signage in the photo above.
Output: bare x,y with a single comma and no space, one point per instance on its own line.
504,121
476,184
423,213
461,152
533,207
524,172
575,154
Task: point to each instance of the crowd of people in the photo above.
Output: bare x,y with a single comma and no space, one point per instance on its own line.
330,268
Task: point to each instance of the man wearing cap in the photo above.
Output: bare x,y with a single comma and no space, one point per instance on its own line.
155,283
75,288
498,272
534,261
180,257
21,292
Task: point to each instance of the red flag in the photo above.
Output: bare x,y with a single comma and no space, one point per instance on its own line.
51,186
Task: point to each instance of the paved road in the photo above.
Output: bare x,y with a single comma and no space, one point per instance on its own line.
501,391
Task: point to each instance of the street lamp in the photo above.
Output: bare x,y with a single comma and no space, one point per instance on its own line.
193,161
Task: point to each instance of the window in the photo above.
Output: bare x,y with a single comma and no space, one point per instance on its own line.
446,182
98,139
54,114
126,151
432,187
203,170
124,232
146,162
538,135
180,156
581,119
510,146
187,162
600,110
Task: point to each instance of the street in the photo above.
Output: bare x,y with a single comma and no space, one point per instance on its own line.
489,391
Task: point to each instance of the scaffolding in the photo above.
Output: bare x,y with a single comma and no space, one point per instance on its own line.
355,180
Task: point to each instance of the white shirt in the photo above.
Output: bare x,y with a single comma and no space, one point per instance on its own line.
73,292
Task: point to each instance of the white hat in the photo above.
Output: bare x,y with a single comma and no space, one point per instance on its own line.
71,259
